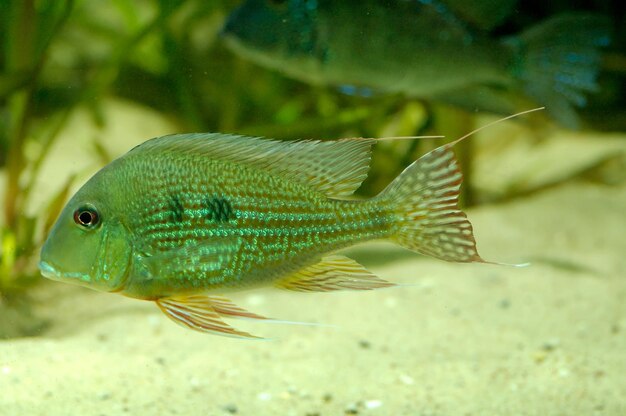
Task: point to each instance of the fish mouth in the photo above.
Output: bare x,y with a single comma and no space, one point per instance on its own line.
48,271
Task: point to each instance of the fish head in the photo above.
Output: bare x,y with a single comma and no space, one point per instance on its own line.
89,245
275,33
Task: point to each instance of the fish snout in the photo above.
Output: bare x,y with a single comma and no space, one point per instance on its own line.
48,271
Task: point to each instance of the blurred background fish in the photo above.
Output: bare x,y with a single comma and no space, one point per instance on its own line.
436,49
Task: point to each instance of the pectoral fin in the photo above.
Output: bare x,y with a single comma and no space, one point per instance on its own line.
333,273
204,314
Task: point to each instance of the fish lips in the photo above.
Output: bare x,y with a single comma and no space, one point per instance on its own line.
50,272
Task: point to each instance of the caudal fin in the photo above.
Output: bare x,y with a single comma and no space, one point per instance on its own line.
425,197
558,61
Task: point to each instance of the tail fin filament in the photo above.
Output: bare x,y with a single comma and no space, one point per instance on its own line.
425,198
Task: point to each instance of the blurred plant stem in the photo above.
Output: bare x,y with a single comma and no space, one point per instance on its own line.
26,49
19,58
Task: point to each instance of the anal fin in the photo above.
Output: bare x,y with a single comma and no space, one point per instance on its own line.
204,314
333,273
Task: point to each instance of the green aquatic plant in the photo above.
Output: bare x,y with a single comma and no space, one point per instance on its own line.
25,48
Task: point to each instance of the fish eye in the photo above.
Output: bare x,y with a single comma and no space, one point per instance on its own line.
87,217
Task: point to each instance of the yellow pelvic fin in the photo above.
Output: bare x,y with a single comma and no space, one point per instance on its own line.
204,314
333,273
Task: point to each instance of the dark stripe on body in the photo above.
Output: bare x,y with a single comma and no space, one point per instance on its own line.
176,209
218,209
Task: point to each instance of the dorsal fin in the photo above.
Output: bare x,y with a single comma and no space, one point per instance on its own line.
335,168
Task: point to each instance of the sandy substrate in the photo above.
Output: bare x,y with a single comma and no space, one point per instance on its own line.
549,339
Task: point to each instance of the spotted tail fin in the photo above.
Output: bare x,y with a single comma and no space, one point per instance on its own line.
425,197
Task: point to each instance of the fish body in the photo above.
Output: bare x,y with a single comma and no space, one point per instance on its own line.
183,217
187,207
386,45
423,48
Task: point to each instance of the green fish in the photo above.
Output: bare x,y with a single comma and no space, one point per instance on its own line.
435,49
182,218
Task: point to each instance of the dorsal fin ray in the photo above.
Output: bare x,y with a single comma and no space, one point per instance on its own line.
335,168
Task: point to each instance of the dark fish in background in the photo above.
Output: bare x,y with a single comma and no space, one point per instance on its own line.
432,49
